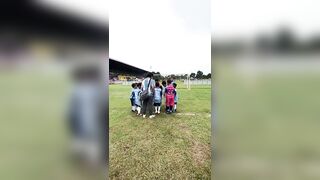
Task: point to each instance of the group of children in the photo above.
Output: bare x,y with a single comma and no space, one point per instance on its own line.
167,89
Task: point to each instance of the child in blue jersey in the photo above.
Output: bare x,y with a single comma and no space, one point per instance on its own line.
157,98
132,97
175,97
137,101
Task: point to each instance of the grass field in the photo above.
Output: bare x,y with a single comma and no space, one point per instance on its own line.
33,132
34,138
175,146
267,128
268,124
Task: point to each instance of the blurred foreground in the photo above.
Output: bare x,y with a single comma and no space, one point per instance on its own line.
266,124
53,98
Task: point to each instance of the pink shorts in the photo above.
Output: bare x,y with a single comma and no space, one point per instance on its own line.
169,100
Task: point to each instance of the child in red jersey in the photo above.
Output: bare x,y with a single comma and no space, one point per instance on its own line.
169,93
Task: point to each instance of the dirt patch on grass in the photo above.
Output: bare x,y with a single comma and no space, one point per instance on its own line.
183,127
200,152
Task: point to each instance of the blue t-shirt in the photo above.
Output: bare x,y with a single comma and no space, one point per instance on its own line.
132,94
157,95
137,93
176,96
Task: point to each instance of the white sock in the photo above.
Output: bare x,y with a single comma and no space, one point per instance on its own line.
159,108
175,107
155,108
138,109
133,108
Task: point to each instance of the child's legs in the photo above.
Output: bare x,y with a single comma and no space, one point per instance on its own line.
133,108
167,101
171,103
157,106
138,107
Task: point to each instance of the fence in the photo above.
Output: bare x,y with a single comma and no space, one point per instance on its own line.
187,83
123,82
197,82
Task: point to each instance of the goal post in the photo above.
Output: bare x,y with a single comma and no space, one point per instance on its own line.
188,83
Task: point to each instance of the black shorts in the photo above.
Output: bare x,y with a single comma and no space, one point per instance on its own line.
137,105
157,104
175,102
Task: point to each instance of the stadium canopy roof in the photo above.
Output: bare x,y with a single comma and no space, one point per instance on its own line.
33,20
119,67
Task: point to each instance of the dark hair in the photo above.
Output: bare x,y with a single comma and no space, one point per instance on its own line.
157,84
174,85
164,83
169,81
150,75
133,85
139,84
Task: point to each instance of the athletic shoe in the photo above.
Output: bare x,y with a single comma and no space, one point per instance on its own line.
152,116
144,116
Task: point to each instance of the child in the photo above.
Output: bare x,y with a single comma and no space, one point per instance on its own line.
137,101
132,97
175,97
169,92
157,98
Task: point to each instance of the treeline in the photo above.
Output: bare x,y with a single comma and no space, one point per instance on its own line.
198,75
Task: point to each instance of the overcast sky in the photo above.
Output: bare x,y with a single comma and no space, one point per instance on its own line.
245,18
169,36
156,33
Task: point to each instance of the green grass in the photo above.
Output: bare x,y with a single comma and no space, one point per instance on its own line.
268,125
33,134
32,131
175,146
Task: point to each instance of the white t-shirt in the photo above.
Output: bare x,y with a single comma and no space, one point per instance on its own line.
145,83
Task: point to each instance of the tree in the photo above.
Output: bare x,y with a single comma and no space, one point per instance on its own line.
192,75
199,75
185,76
208,76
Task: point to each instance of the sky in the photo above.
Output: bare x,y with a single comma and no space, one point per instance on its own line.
246,18
166,36
174,36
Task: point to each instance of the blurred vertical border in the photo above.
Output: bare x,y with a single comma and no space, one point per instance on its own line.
53,62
